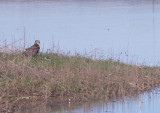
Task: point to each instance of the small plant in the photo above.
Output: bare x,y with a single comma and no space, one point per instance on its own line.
58,75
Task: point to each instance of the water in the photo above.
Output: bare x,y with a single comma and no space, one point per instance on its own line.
125,30
145,103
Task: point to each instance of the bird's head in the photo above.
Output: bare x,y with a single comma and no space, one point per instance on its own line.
37,42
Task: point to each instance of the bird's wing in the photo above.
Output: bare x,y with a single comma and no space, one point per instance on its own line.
32,48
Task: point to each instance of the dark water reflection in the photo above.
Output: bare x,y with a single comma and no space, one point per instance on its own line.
146,103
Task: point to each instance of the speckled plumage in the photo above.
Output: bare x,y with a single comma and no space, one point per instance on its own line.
33,50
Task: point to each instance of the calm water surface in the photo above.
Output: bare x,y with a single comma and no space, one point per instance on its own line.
125,30
146,103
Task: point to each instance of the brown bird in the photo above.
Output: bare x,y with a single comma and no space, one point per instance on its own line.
33,50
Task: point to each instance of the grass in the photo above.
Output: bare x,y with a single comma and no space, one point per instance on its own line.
61,76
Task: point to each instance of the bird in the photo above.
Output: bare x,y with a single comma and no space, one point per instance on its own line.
33,50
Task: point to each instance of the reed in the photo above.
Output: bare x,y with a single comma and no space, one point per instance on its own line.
60,77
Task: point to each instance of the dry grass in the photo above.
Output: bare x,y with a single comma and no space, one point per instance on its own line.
60,76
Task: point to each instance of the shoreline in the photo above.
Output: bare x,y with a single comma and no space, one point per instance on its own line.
61,79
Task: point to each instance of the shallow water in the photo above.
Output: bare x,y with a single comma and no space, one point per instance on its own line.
125,30
145,103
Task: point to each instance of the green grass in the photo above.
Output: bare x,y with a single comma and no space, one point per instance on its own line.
60,76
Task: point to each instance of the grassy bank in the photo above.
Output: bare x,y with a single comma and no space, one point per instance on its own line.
63,77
